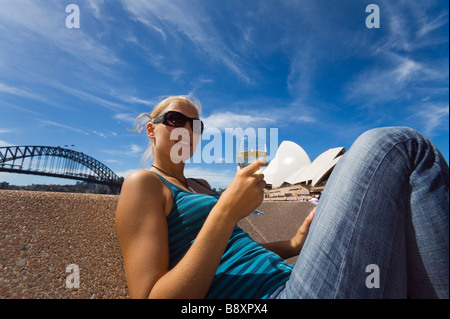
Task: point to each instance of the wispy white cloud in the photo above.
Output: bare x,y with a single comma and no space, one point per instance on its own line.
436,23
431,118
19,92
265,117
127,98
301,79
53,50
411,26
406,70
126,151
50,17
135,149
101,134
19,108
60,125
125,173
400,79
29,94
93,98
4,143
180,19
126,117
396,70
199,83
95,5
114,161
222,120
76,129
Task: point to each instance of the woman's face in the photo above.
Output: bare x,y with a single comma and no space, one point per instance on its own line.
177,143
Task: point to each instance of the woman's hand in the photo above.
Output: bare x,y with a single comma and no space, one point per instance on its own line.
299,239
292,247
245,192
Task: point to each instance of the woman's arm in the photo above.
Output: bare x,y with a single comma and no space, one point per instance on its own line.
142,228
143,234
292,247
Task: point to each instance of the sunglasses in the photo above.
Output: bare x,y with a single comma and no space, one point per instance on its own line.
177,119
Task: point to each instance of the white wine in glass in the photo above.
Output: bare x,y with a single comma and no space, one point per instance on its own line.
246,158
249,151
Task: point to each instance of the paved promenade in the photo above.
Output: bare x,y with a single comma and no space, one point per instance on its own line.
44,234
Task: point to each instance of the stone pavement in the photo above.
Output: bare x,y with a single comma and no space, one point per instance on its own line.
47,239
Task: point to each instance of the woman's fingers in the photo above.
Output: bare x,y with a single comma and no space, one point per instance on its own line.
254,167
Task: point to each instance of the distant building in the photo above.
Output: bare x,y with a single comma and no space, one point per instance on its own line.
292,176
4,185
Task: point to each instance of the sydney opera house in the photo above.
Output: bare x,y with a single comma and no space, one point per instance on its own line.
292,176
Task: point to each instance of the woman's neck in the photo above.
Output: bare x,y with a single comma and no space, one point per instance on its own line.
170,168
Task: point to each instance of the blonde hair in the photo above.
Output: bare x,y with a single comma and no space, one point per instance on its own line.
143,119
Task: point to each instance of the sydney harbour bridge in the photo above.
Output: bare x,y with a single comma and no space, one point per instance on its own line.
57,162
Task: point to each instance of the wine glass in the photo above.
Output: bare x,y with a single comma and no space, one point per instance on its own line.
250,151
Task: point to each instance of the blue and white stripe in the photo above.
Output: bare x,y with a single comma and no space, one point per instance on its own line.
246,270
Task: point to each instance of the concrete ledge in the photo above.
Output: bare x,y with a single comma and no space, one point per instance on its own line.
43,233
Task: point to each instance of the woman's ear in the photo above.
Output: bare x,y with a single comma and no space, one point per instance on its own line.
151,130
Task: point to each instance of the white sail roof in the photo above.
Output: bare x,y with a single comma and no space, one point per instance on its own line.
292,165
289,158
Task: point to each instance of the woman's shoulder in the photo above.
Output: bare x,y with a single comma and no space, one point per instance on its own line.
140,173
142,179
143,189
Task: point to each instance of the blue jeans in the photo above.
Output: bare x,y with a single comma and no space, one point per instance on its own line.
381,226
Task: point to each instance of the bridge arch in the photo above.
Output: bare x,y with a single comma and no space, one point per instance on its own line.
58,162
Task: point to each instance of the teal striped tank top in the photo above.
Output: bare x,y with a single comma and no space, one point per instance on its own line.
246,270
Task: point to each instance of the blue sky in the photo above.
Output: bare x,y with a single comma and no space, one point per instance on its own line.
311,69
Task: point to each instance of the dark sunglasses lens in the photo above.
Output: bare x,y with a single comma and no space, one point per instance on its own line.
179,120
176,119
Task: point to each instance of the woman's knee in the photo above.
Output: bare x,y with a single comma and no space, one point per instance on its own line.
379,138
396,134
408,143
